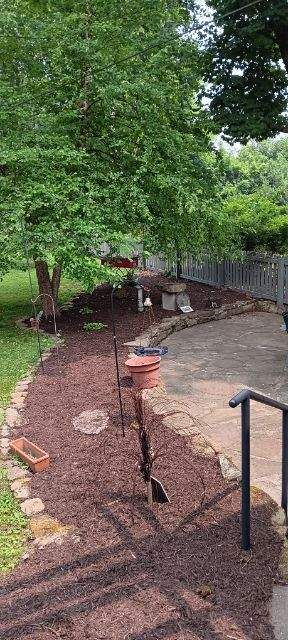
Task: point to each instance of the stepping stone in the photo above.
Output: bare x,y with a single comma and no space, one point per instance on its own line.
32,506
279,608
91,422
22,387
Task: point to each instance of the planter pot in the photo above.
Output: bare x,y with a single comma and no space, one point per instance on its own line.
145,371
36,458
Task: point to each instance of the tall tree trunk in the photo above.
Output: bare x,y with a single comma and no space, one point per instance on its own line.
55,282
48,287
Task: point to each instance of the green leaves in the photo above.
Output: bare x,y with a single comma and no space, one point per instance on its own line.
247,69
98,143
256,196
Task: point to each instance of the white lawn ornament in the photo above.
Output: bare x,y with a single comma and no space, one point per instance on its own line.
147,302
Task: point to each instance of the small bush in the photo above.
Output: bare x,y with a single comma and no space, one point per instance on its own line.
94,326
86,311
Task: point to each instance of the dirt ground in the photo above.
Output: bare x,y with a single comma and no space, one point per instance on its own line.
128,572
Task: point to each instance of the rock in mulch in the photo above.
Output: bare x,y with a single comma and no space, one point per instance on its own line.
228,469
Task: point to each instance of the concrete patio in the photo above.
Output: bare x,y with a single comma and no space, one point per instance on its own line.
207,364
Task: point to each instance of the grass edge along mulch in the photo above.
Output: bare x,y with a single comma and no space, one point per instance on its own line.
13,526
18,354
18,347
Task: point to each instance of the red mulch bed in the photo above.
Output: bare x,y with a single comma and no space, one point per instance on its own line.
202,296
174,572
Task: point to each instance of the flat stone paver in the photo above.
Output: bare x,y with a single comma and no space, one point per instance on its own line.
279,608
209,363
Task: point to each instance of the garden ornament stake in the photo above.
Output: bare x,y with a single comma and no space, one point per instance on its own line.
36,324
116,358
41,295
148,308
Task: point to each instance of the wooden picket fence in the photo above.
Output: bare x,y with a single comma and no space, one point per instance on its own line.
263,277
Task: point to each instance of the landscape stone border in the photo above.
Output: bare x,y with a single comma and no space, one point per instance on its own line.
43,528
157,333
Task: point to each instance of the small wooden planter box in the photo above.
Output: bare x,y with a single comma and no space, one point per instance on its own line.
36,458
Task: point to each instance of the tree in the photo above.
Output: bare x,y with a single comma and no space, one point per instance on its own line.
255,190
99,142
247,58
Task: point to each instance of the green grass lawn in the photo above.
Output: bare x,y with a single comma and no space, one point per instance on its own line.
13,526
18,347
18,351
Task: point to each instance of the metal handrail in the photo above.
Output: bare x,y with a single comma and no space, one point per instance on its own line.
243,398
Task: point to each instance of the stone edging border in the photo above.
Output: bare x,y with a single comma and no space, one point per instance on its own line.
44,529
19,477
157,333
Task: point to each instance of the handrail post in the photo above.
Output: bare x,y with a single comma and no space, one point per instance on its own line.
245,419
284,460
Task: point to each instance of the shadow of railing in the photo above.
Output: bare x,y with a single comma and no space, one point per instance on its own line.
169,566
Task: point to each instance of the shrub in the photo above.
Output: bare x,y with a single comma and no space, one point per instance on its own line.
94,326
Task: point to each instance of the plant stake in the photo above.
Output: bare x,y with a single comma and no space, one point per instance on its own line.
116,358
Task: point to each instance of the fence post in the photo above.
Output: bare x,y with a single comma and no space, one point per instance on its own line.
222,273
178,266
280,282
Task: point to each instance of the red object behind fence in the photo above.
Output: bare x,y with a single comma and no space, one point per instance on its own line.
121,263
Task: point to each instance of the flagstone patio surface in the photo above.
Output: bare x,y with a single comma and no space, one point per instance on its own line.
207,364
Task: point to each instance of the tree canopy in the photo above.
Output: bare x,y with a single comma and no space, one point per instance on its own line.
255,190
97,142
247,63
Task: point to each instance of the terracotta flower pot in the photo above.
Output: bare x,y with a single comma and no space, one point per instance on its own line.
36,458
145,371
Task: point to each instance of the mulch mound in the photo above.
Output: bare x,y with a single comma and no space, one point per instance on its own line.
131,573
